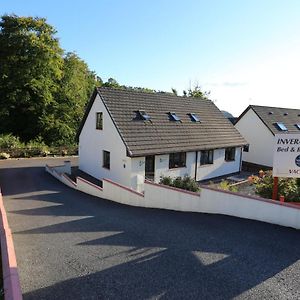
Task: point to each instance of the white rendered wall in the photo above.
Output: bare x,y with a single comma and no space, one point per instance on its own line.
220,167
137,175
259,137
162,167
207,201
92,142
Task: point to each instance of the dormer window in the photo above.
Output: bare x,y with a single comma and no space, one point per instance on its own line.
143,115
281,126
194,117
174,117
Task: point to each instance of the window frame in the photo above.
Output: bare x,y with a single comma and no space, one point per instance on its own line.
174,117
206,157
105,164
99,120
246,148
177,162
228,154
281,126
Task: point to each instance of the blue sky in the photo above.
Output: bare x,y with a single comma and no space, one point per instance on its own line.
244,52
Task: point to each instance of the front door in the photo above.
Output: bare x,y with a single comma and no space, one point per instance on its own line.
149,167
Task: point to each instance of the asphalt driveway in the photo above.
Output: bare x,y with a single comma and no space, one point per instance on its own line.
73,246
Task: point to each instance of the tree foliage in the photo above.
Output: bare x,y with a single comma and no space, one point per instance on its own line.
42,91
63,118
31,67
196,92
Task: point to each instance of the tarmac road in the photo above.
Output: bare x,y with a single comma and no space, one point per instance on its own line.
73,246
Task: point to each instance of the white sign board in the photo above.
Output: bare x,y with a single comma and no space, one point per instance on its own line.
286,159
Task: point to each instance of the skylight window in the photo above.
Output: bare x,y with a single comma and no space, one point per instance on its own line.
281,126
194,117
143,115
174,117
298,125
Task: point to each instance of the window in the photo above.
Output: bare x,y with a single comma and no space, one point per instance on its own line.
143,115
99,121
194,117
174,117
281,126
106,159
207,157
230,154
177,160
246,148
298,125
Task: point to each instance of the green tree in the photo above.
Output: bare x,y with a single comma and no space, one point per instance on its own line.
111,82
31,67
63,118
196,92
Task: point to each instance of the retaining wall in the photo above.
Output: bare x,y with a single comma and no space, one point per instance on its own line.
209,200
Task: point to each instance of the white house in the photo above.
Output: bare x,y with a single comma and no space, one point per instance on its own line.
127,136
258,125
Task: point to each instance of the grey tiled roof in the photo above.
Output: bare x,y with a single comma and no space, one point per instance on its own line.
270,115
160,135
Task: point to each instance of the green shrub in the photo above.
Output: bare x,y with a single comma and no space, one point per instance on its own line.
166,180
226,186
185,183
287,187
4,155
8,141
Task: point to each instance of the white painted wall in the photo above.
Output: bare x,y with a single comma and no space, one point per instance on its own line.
162,167
137,175
208,201
220,167
56,172
92,142
259,138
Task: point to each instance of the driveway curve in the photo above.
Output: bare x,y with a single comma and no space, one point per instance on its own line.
70,245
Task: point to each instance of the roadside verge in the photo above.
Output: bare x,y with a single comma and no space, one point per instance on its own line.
11,281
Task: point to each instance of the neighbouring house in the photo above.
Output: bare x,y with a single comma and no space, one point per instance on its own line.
258,125
127,136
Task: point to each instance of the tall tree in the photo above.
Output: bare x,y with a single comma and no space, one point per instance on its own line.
31,67
75,87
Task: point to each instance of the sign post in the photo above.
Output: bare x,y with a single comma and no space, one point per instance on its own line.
275,188
286,159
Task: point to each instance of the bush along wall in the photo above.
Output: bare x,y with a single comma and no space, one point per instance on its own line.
185,183
287,187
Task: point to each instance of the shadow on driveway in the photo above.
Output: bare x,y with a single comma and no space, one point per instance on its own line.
136,253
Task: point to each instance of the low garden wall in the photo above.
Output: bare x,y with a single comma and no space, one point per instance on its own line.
209,200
